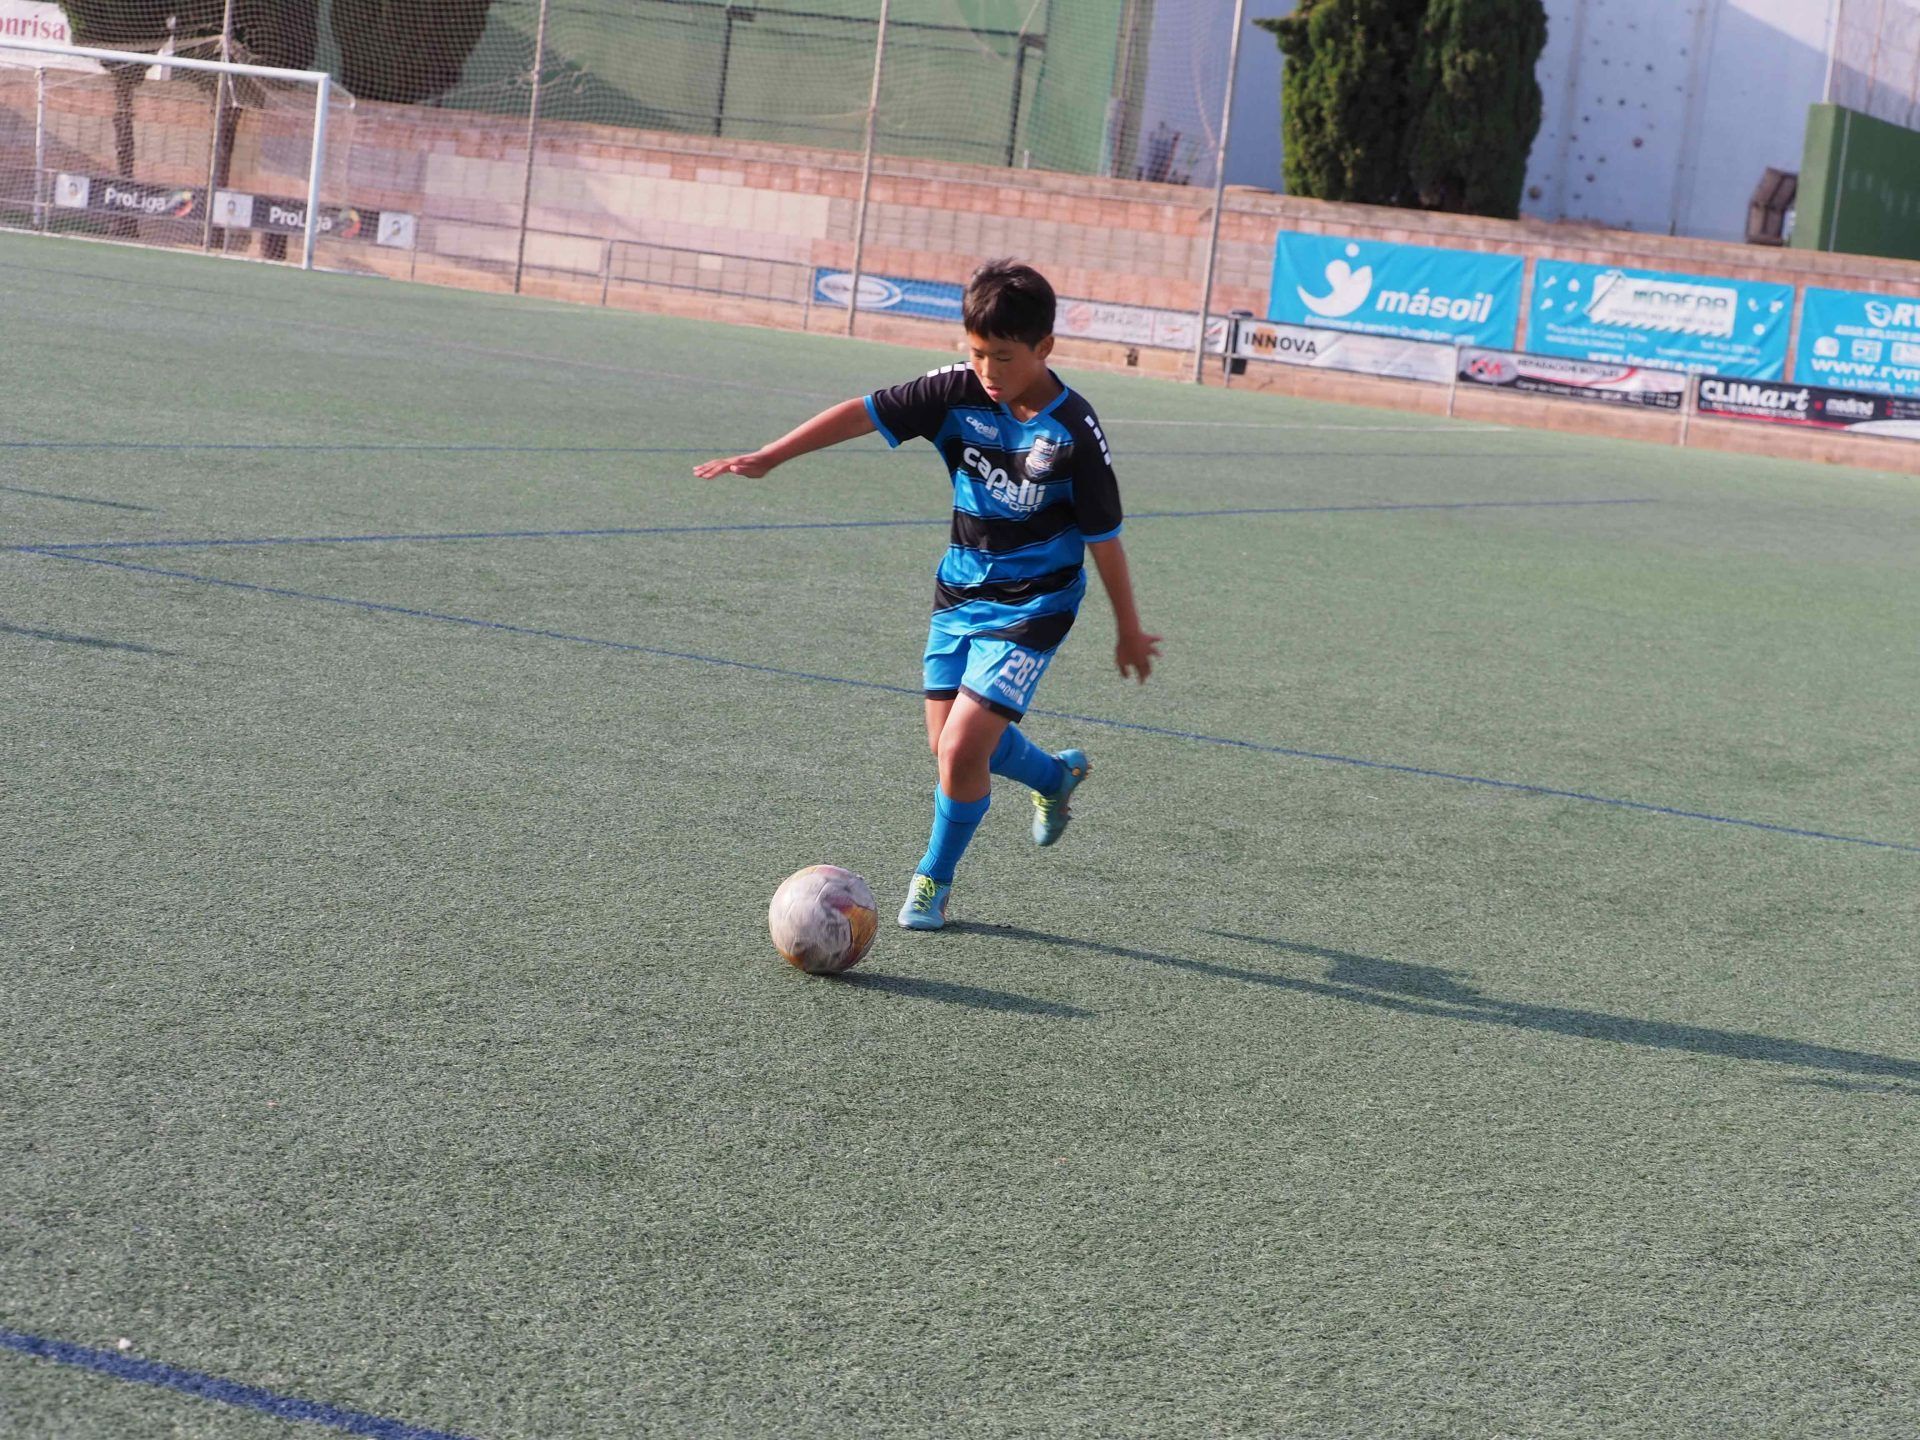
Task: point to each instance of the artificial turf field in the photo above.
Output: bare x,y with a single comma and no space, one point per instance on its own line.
1477,997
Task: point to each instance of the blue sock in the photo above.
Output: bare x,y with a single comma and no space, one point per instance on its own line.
1018,758
954,822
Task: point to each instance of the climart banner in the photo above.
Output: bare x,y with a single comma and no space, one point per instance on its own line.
1575,379
1415,292
1342,350
1869,341
1894,416
1654,317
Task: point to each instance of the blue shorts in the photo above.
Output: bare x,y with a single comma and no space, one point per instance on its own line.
1001,674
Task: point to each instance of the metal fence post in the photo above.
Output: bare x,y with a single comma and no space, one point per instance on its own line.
1873,56
220,84
1219,190
40,147
533,137
866,167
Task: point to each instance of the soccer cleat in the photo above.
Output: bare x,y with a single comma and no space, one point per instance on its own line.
926,907
1050,814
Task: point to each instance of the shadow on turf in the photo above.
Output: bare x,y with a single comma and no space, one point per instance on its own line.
919,987
1425,990
62,638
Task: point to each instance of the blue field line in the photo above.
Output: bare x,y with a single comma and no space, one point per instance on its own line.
1194,736
212,1387
604,532
75,499
339,446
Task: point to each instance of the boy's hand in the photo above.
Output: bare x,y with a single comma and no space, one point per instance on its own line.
1134,653
752,466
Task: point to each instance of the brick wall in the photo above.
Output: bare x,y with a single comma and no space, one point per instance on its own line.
653,219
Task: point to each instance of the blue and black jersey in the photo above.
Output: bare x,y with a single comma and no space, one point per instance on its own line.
1027,498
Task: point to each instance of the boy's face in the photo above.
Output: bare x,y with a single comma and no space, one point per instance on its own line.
1009,369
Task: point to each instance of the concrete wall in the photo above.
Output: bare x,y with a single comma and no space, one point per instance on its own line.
1659,115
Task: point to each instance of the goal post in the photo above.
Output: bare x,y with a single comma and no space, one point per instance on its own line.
40,56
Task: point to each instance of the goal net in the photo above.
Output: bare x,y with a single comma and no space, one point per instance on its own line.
170,147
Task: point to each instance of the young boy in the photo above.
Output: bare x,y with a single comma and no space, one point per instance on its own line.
1033,488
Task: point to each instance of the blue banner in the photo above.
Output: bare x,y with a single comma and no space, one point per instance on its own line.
1653,317
1859,342
1413,292
890,295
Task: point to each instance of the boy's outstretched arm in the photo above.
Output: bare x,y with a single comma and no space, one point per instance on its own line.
1133,648
846,421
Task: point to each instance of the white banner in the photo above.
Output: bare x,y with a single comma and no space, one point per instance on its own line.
1598,380
44,24
1384,355
1136,325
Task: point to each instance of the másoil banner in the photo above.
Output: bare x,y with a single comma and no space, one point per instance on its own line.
1592,380
1815,406
1344,350
1415,292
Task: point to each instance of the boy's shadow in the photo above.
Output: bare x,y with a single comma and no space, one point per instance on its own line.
1425,990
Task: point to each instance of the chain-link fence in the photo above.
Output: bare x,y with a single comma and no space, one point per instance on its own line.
1874,65
589,141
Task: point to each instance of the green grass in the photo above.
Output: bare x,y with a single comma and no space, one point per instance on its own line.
390,1020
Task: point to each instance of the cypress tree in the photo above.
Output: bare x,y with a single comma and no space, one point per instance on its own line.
1475,104
1344,102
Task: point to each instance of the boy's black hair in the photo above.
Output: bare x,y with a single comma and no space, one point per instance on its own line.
1006,300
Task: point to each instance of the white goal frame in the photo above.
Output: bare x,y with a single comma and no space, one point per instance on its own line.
321,81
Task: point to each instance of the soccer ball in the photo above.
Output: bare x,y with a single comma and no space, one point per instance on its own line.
823,919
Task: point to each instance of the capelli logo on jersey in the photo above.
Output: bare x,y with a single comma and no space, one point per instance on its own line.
1022,496
985,429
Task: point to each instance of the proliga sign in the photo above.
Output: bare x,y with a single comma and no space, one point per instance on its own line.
232,209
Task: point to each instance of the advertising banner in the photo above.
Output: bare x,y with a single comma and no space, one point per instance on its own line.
1653,317
232,209
1729,397
1343,350
44,24
236,210
1137,325
1076,319
1851,338
1575,379
926,299
110,196
1414,292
